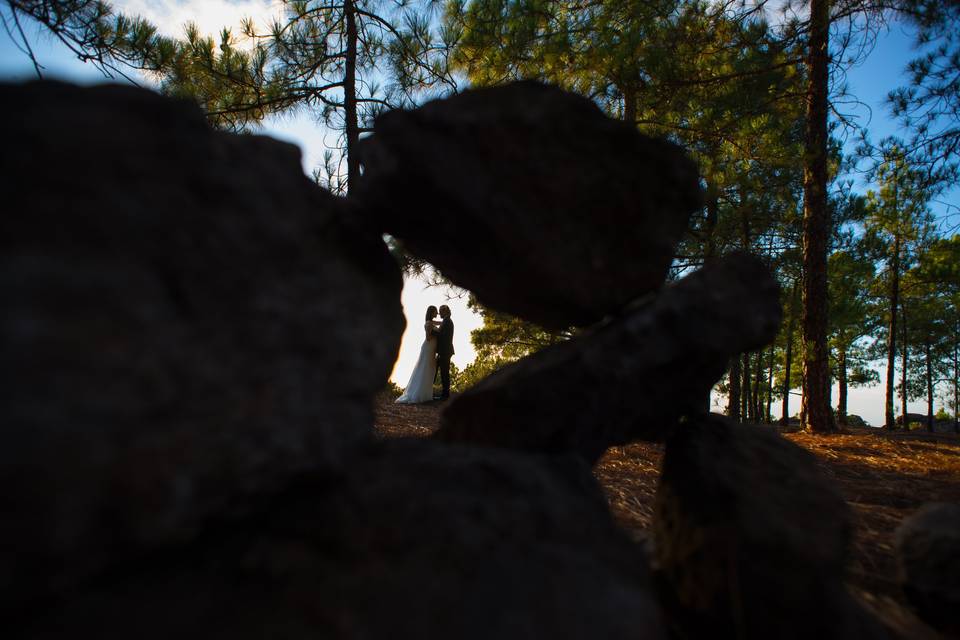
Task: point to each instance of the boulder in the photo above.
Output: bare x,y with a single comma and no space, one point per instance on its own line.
531,198
750,538
187,322
928,557
853,420
631,378
416,540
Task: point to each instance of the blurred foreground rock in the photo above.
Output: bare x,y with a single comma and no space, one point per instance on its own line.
928,554
186,323
417,540
631,378
751,538
531,198
193,334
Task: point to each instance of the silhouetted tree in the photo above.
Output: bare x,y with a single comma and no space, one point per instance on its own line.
898,221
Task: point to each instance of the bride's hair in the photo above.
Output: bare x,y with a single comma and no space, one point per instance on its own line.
431,312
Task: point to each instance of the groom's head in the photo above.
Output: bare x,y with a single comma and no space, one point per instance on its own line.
444,311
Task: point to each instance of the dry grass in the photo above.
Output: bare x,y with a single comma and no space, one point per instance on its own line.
406,420
629,475
885,477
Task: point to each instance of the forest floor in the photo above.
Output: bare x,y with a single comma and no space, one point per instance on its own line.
884,476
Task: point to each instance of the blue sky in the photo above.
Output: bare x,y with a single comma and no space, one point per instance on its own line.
880,72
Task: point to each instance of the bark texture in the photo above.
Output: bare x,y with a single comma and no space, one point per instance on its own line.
816,414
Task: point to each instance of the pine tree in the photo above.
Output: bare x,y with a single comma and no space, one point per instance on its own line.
501,340
898,222
346,61
114,42
853,317
816,414
929,106
934,284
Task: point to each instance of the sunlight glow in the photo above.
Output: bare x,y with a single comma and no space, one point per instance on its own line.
416,297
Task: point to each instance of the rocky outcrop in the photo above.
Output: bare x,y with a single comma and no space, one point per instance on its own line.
928,556
416,540
531,198
193,332
187,322
631,378
751,538
853,420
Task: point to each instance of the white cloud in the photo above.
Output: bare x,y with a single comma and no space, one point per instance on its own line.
211,16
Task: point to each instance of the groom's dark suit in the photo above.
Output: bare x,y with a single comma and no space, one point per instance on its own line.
444,352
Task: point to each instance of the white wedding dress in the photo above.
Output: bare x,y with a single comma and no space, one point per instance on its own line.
420,386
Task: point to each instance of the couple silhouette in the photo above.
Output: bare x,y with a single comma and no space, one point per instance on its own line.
435,354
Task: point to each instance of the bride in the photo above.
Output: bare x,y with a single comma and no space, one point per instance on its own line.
420,386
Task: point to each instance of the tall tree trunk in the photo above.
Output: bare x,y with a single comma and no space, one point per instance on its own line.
630,102
892,332
830,397
350,93
769,415
928,355
817,415
710,223
956,383
710,237
785,403
788,356
842,383
733,402
746,411
757,377
903,368
745,388
803,405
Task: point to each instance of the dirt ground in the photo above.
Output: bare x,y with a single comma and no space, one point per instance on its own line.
884,476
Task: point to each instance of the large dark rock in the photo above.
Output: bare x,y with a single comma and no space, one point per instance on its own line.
186,323
750,538
531,198
928,555
418,540
629,379
853,420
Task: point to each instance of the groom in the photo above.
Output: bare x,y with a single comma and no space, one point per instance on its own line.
445,350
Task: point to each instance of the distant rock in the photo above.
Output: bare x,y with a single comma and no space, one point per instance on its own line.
417,540
531,198
853,420
928,556
187,323
631,378
750,538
